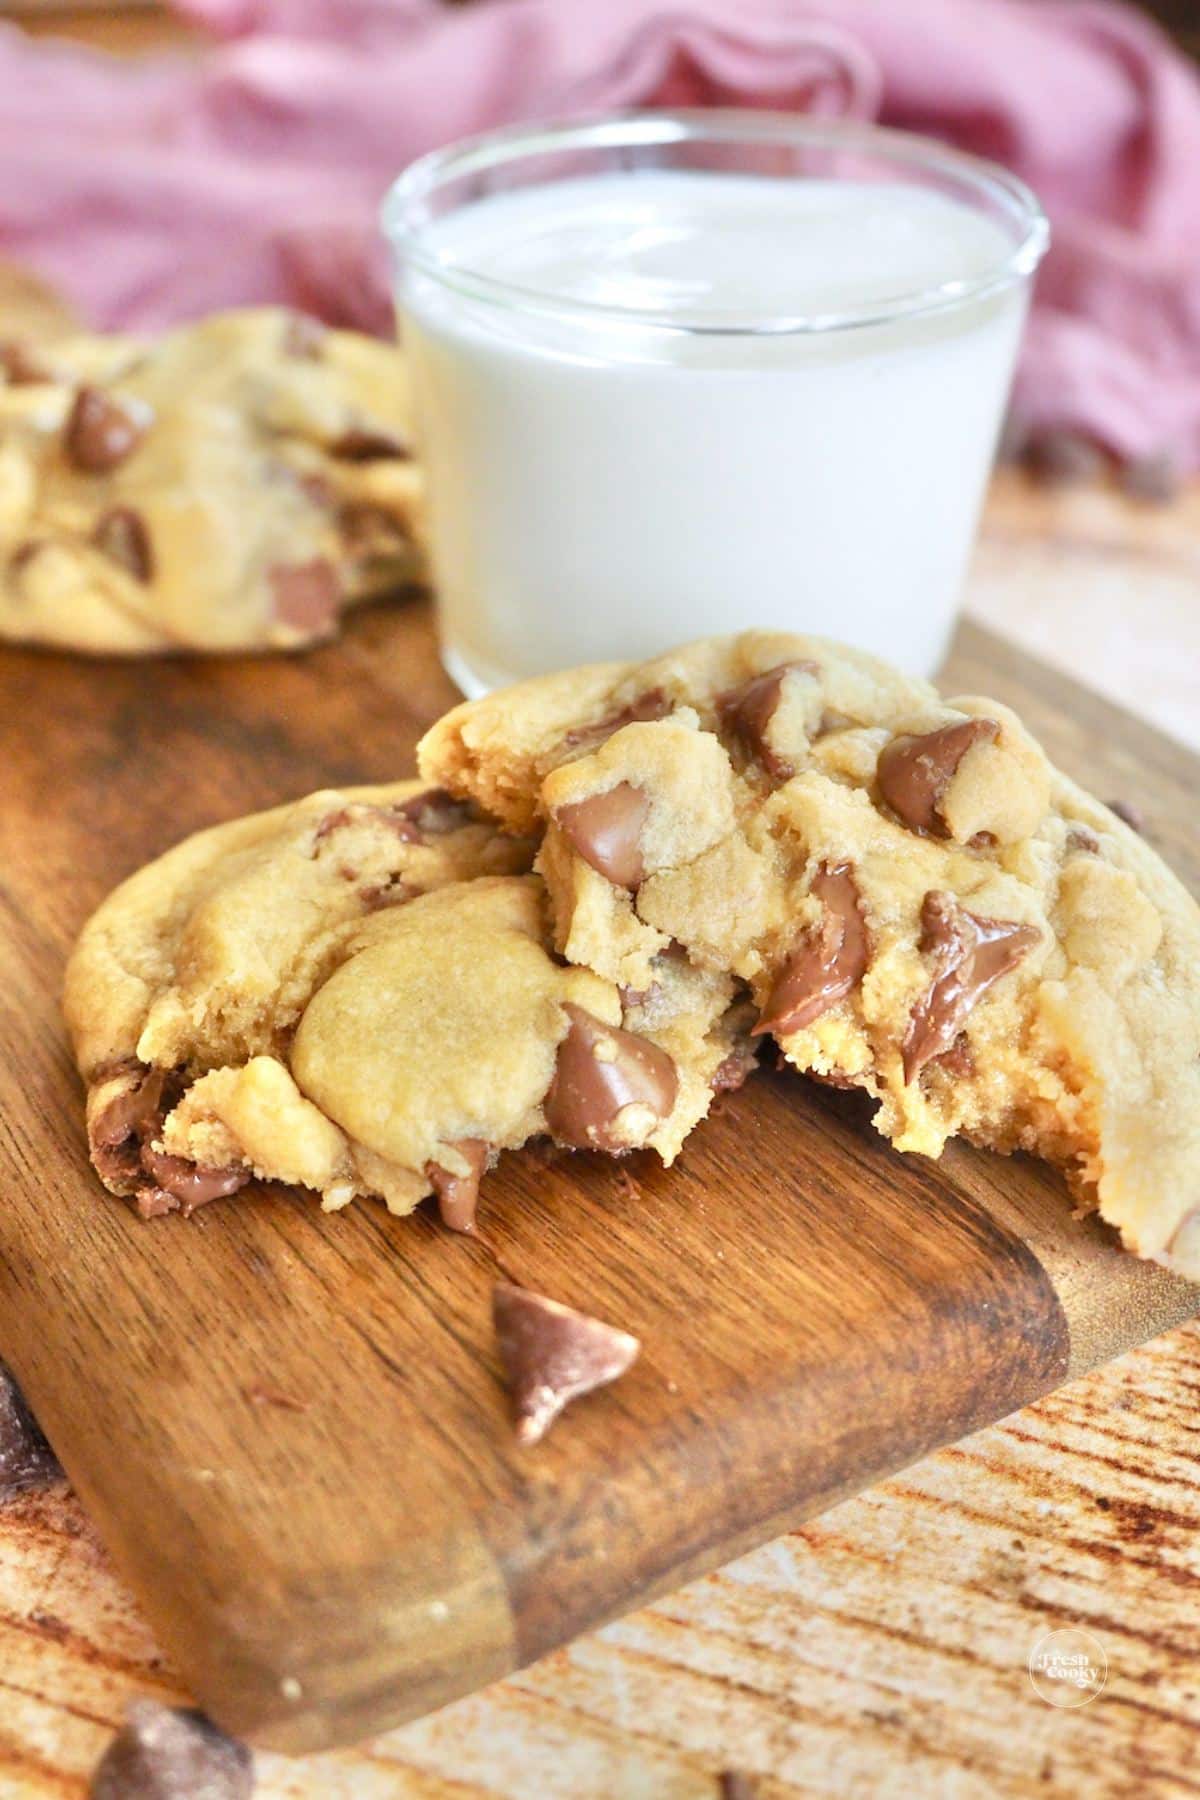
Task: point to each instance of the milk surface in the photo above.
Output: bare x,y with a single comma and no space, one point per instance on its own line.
604,486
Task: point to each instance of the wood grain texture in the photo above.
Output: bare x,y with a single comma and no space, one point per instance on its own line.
878,1652
815,1310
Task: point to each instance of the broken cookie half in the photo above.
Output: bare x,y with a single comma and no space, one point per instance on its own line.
914,901
358,994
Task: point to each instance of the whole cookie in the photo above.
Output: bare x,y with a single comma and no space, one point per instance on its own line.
233,485
918,902
356,994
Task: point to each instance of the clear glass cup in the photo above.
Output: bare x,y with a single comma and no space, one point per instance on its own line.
618,463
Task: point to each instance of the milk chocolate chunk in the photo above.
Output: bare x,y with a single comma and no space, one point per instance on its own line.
434,812
190,1184
606,830
306,595
132,1117
101,432
602,1073
172,1753
830,962
361,445
26,1459
969,955
122,535
553,1354
458,1195
747,711
651,705
914,772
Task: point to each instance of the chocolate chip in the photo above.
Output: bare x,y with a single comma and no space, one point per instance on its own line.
606,830
1132,815
746,712
101,432
1064,457
304,337
1082,839
306,596
914,772
829,963
553,1354
600,1072
21,366
435,812
737,1785
735,1070
26,1459
363,445
648,707
189,1184
122,535
458,1195
969,955
958,1060
172,1753
132,1117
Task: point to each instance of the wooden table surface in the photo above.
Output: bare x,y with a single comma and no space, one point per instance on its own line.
883,1649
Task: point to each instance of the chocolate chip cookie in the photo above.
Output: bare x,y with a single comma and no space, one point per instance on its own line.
357,994
234,485
917,902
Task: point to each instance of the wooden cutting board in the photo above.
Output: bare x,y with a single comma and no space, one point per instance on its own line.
291,1428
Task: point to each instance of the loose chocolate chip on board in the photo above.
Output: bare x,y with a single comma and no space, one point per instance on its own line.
122,534
458,1195
969,955
914,772
553,1354
101,432
172,1753
829,963
306,596
606,830
601,1073
26,1459
746,712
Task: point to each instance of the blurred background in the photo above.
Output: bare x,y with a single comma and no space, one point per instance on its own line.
164,161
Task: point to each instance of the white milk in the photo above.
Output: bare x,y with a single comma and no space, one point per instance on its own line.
603,487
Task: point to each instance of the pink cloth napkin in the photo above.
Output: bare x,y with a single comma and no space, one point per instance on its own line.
158,189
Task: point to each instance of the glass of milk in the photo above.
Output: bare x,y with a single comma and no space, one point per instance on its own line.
684,373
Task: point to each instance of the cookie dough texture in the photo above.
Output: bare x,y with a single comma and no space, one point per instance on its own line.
918,903
356,994
233,485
